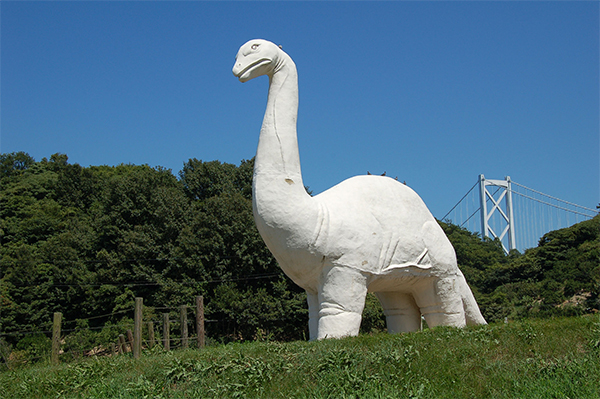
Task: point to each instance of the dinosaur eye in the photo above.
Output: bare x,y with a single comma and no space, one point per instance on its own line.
255,46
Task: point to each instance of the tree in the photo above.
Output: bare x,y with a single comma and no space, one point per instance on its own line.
14,163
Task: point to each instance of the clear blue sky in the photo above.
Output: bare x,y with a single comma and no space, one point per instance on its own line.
435,93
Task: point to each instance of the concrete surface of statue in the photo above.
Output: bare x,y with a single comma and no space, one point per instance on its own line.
368,233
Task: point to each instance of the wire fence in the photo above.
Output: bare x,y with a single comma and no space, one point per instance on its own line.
83,335
161,328
32,341
74,339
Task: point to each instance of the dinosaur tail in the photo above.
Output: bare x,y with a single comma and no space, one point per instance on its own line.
472,313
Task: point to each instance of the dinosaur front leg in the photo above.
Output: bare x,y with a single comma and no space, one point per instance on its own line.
341,301
313,314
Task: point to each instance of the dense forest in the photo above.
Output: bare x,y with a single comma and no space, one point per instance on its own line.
86,241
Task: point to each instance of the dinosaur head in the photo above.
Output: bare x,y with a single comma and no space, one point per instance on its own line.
256,58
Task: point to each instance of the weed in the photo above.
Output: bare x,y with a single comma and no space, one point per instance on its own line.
595,340
527,333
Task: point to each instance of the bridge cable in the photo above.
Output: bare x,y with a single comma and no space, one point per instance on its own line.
464,196
556,206
549,196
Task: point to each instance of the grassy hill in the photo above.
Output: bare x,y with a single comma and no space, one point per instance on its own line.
538,358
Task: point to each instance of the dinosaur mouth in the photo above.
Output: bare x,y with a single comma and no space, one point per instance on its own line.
244,74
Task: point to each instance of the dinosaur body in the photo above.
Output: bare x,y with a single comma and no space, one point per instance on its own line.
368,233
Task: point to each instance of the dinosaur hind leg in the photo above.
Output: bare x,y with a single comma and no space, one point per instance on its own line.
441,303
472,313
401,312
440,298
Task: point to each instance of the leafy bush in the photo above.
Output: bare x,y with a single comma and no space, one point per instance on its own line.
35,346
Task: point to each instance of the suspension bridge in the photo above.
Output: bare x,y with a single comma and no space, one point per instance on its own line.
515,214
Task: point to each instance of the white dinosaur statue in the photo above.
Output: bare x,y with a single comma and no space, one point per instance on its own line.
368,233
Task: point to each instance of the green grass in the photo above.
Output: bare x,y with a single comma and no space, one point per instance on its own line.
546,358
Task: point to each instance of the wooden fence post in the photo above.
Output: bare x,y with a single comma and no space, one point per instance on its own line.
122,345
200,320
137,328
130,340
166,332
151,339
56,336
184,327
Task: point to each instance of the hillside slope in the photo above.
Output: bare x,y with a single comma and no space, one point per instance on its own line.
549,358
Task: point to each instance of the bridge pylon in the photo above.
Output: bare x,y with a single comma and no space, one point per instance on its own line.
497,193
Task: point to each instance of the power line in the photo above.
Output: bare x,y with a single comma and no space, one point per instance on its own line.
154,284
128,260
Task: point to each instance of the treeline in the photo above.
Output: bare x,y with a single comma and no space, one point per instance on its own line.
87,240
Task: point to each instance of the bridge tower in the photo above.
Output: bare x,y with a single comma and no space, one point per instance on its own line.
496,217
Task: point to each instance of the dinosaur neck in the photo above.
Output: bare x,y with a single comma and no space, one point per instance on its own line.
277,157
285,214
277,154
